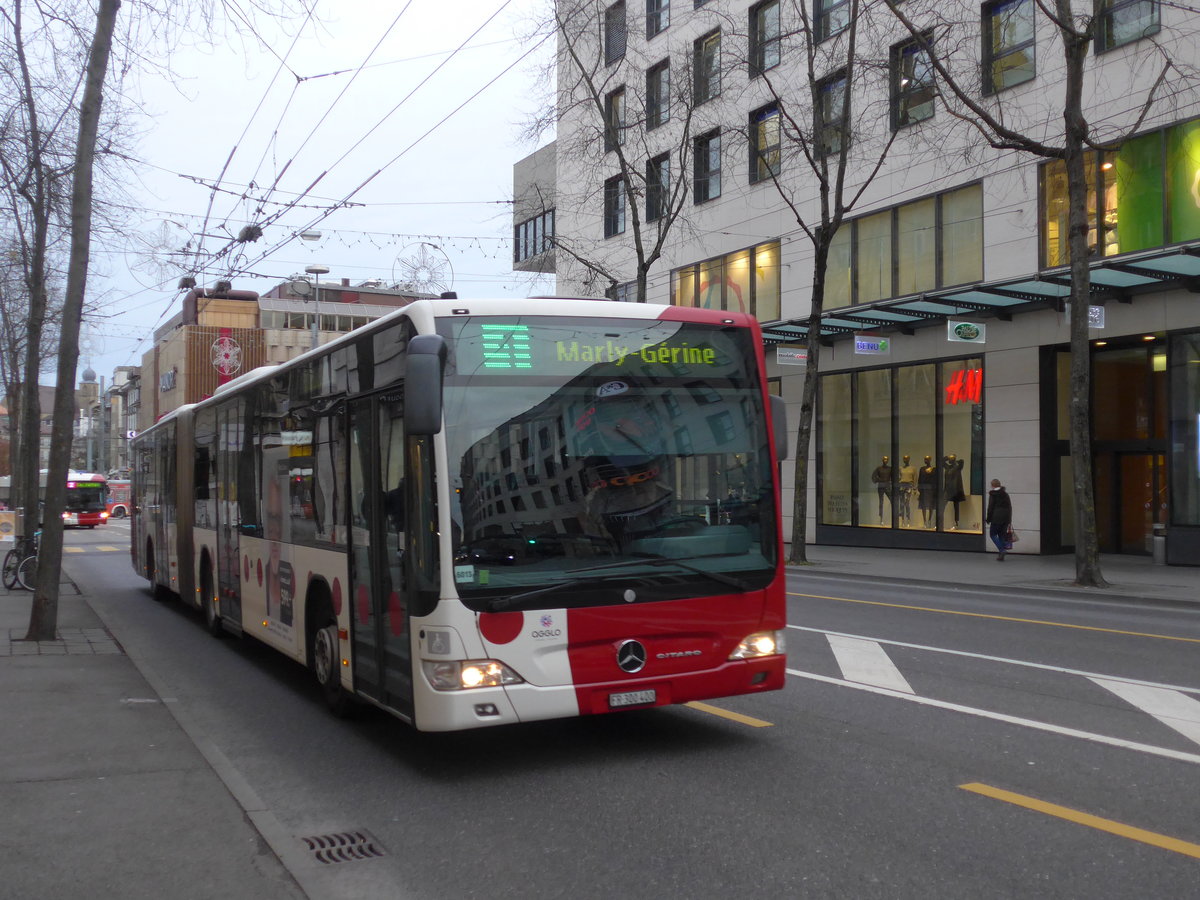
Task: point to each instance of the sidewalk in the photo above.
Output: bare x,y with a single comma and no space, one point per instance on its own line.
1130,578
104,794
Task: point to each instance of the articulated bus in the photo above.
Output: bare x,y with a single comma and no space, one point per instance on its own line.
87,498
472,513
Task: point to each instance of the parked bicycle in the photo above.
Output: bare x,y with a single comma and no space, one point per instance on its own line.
20,563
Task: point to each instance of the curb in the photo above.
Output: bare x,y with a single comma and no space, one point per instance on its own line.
1056,589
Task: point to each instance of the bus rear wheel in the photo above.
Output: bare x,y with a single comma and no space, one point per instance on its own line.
326,664
212,603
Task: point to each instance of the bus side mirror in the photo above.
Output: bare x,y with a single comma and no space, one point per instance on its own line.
423,385
779,426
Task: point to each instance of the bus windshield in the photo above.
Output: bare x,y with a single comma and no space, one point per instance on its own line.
86,496
605,461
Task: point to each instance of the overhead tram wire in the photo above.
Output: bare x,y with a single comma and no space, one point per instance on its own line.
246,129
323,216
313,130
378,124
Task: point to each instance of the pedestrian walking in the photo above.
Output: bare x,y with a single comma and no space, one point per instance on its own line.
999,517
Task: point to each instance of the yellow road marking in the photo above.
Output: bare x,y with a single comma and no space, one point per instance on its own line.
726,714
72,549
1073,815
106,548
956,612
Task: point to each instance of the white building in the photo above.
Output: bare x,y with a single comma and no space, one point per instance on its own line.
712,99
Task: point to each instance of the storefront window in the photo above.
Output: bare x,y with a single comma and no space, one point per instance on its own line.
1139,187
1185,429
683,287
767,285
838,269
743,281
836,449
1183,162
876,473
911,457
962,476
875,257
962,235
916,421
916,246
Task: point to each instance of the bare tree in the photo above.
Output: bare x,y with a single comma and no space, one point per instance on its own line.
632,116
819,145
948,33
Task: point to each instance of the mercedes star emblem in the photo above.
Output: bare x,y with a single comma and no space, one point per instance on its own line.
631,656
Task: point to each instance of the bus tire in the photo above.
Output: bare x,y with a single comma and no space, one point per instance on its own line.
210,600
118,512
156,592
325,659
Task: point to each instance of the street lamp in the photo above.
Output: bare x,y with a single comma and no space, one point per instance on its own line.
316,271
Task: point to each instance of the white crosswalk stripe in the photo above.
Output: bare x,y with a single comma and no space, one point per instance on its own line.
1174,709
866,662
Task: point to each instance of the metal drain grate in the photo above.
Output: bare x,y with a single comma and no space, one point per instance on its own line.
346,846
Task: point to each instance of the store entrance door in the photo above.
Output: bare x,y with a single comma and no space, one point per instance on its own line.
1131,497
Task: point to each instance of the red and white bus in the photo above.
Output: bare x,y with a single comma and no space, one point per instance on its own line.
87,497
472,513
118,498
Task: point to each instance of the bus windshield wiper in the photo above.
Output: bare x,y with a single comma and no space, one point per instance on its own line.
501,603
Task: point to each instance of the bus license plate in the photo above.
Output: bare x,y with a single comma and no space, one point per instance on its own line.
632,698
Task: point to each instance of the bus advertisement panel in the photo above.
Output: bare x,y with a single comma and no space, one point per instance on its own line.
488,512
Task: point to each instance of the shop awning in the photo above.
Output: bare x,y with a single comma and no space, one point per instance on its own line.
1111,279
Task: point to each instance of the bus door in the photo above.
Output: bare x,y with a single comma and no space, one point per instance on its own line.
380,632
230,484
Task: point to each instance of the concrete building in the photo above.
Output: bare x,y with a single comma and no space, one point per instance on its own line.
693,127
221,333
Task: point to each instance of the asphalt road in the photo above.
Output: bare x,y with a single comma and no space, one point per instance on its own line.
931,743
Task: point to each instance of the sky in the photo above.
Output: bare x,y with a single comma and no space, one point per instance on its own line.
408,116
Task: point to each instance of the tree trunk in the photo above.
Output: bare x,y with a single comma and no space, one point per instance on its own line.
1087,549
43,619
799,550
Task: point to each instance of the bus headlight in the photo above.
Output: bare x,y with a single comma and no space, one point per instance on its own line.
468,673
761,643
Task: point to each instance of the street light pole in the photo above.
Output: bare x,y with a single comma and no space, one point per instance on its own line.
316,271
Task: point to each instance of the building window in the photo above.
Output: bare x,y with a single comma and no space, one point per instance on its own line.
931,243
831,16
658,17
614,33
764,143
1008,56
764,37
614,119
912,82
1140,196
832,116
707,53
903,447
742,281
658,187
707,156
623,293
1122,21
658,95
614,206
533,236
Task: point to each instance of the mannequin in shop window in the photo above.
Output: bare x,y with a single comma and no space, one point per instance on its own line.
882,479
927,492
908,488
952,468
